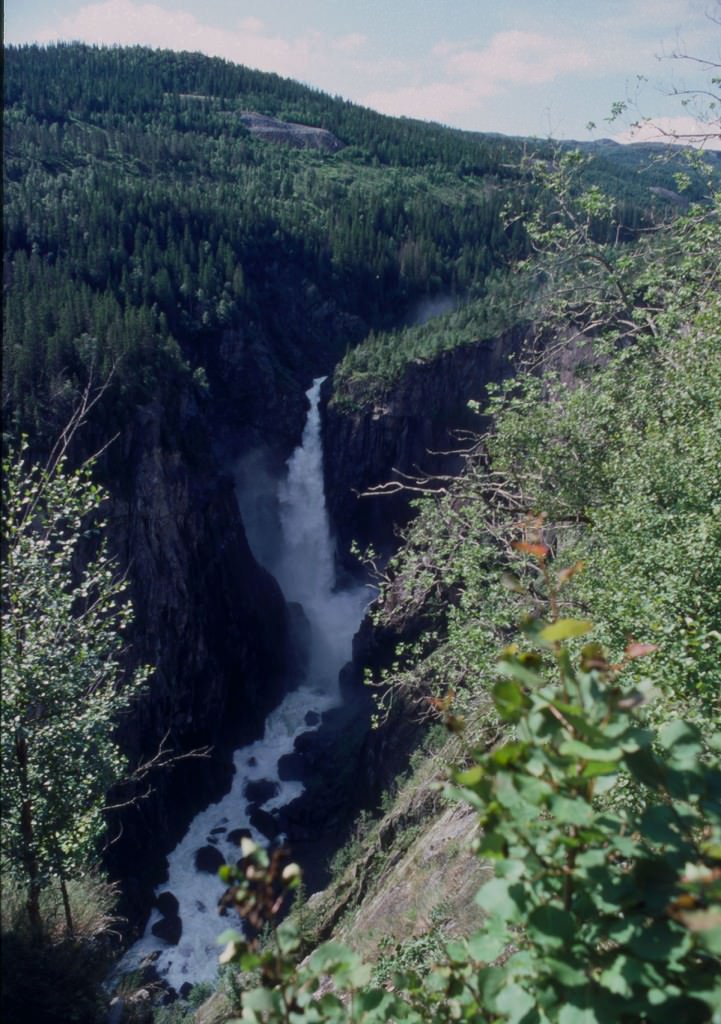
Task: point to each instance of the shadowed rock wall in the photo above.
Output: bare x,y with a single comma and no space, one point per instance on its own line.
412,428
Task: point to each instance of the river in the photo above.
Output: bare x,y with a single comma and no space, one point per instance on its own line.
293,540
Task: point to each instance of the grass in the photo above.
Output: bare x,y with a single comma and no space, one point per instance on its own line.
59,978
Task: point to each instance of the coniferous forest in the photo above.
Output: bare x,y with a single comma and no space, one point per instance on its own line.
543,650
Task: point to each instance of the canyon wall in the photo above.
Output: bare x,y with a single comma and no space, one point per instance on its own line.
211,622
414,427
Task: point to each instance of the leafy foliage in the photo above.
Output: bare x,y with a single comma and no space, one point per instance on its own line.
595,914
623,463
614,911
601,807
606,449
63,623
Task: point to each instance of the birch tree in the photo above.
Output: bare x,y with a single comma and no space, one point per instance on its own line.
64,624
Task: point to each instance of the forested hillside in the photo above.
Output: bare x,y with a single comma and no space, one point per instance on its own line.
142,219
141,215
556,608
172,283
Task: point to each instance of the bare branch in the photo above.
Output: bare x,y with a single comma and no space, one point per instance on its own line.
163,758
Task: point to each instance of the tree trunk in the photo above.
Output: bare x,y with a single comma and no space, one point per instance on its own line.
29,855
66,907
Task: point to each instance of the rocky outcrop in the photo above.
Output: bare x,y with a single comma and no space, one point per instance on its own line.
412,428
288,133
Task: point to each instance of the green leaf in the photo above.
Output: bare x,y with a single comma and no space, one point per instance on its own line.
288,937
487,946
534,791
710,938
644,766
509,699
614,977
512,667
492,844
330,956
371,1000
595,768
470,777
508,753
514,1003
499,896
359,975
263,1000
682,738
576,748
656,825
551,926
571,812
573,1014
714,742
567,972
660,941
457,952
565,629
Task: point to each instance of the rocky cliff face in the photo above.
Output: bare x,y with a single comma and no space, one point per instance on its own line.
259,371
209,619
412,428
301,136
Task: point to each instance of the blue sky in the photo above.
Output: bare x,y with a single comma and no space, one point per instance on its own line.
524,67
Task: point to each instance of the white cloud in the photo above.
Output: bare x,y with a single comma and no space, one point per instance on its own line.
470,75
683,130
126,22
527,58
437,101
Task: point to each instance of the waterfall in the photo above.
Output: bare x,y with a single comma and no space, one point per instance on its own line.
305,568
296,546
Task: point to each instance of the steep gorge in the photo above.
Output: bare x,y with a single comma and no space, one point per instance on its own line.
223,272
211,622
214,622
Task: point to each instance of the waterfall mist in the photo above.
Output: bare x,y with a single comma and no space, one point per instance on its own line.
287,527
430,306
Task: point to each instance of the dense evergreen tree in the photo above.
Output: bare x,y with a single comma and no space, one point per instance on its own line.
140,213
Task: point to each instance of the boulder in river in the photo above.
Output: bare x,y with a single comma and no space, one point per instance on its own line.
258,791
292,766
207,858
264,821
167,904
169,929
239,833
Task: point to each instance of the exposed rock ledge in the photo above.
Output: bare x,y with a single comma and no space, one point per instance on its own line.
302,136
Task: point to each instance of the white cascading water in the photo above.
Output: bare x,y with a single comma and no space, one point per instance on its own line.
303,566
